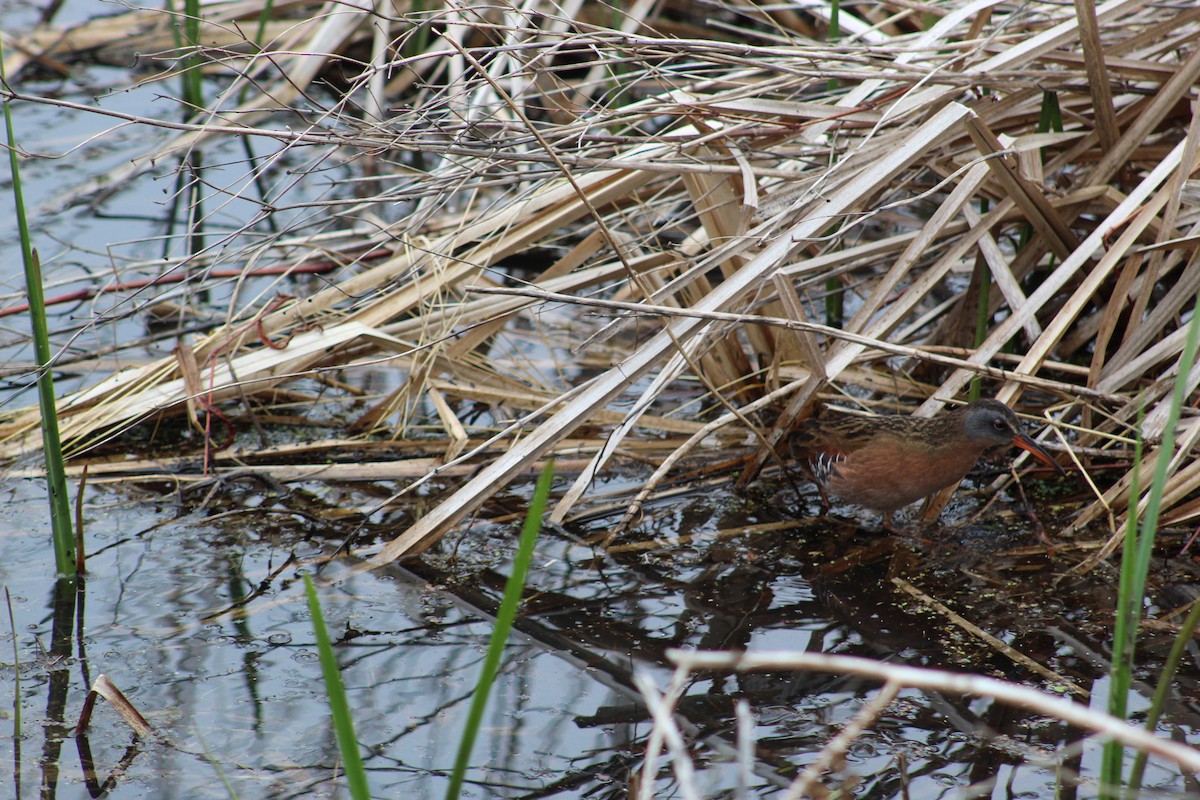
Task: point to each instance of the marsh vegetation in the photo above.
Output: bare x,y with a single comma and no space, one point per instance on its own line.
329,283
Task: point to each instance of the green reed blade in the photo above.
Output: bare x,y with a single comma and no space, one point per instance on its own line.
12,626
339,709
1165,679
514,588
1135,562
56,475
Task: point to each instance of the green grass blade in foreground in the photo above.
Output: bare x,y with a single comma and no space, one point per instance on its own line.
1120,674
56,474
1165,679
1136,566
12,626
339,709
513,589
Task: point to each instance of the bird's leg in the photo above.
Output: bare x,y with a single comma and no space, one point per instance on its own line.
815,479
888,524
825,504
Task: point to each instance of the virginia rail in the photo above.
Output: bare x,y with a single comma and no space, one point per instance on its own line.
885,463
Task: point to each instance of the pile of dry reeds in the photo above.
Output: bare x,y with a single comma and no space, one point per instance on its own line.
758,210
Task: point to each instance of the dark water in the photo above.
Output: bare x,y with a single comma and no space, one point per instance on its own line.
200,620
194,608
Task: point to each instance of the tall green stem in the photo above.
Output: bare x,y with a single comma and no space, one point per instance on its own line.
514,588
1135,561
56,476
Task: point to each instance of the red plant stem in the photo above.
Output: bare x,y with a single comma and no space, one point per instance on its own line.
307,268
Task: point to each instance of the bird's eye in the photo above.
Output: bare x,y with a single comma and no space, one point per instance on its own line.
999,425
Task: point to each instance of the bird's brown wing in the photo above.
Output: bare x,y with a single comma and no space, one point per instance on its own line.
840,436
819,446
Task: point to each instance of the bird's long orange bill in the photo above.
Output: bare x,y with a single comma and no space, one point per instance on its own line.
1029,445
